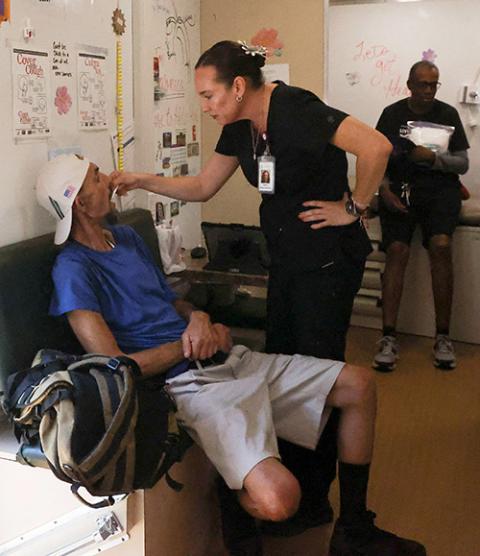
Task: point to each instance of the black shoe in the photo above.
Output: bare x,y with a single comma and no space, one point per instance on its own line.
306,518
365,539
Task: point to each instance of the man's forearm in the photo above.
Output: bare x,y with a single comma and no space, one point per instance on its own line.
184,308
456,162
96,337
159,359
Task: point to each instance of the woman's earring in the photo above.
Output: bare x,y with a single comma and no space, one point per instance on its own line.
239,98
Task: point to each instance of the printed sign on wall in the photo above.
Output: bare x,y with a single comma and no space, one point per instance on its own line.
31,90
92,109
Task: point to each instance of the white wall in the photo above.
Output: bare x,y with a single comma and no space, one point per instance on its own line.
74,23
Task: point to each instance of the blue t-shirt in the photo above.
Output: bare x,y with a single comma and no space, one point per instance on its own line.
124,285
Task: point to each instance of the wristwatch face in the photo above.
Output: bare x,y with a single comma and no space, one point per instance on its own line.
350,207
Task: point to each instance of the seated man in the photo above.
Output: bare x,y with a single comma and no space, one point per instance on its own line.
233,402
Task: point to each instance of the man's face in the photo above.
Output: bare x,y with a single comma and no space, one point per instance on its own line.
423,86
94,196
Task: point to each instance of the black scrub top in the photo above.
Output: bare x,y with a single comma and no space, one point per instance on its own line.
307,167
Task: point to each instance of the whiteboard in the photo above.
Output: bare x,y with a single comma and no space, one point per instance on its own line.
371,48
72,26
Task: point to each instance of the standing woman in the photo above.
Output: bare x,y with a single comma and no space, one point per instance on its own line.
311,222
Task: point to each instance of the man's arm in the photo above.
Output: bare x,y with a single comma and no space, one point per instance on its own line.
200,340
456,162
96,337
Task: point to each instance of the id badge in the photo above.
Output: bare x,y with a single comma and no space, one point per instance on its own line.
266,174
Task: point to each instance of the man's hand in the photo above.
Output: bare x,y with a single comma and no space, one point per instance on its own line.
392,202
422,154
200,339
224,338
326,213
126,181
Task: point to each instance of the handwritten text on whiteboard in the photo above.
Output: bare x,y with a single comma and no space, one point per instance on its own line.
382,63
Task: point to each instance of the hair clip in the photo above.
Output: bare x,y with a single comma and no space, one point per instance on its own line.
253,50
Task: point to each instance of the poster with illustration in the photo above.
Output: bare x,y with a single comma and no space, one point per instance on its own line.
31,94
176,114
92,104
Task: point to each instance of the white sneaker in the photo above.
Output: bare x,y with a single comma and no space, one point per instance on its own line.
386,358
444,353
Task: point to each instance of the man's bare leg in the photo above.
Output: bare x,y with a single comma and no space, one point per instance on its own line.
392,282
440,252
270,491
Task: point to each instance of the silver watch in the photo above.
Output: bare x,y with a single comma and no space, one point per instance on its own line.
353,209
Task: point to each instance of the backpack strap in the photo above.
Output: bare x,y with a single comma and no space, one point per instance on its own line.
120,433
55,434
107,501
34,397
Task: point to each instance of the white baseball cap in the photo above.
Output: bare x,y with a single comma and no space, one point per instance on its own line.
58,183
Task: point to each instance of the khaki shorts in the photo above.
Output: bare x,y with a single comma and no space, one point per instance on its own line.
236,410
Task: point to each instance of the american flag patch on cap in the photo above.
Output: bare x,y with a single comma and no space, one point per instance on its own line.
69,191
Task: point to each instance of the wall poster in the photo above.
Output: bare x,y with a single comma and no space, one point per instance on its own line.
31,90
92,104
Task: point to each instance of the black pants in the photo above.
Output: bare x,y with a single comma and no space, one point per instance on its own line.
308,313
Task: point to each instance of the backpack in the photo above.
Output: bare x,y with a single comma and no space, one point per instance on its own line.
99,426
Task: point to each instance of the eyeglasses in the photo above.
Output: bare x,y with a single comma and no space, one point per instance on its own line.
428,85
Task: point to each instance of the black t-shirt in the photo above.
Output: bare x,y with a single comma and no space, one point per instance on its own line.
396,116
307,167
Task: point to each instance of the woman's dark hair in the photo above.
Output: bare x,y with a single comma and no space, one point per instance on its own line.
230,60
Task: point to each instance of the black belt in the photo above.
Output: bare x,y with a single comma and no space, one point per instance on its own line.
217,358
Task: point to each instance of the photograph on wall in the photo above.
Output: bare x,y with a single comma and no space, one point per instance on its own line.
92,104
31,94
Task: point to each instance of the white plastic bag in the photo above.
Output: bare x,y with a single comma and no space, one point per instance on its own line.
170,242
435,137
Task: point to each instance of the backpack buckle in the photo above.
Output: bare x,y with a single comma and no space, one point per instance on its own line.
113,363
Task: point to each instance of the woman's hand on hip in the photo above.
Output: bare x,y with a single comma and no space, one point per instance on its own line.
326,213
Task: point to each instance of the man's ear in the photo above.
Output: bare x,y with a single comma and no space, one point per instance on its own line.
78,203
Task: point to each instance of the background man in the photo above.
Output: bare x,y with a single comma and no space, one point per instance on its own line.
421,187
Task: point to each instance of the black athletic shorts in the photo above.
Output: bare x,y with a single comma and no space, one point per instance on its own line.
435,210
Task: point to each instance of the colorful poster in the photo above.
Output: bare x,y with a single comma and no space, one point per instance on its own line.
92,109
31,94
